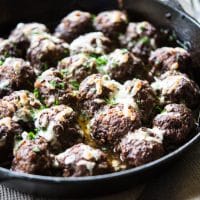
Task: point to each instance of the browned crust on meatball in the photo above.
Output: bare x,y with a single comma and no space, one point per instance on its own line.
9,49
15,74
77,67
23,33
59,126
91,43
82,160
45,51
175,87
111,23
169,59
73,25
9,129
144,96
32,157
53,89
140,147
113,122
140,38
176,121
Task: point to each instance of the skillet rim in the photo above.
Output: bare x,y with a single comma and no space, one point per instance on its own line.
9,175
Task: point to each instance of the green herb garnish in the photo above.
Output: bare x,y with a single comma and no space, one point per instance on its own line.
144,40
158,109
101,61
31,135
56,102
110,101
36,92
74,84
64,72
1,62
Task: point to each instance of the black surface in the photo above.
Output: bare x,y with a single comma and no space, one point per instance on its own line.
187,29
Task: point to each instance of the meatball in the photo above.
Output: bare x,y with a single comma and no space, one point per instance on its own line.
175,87
8,130
22,34
141,146
58,125
20,105
45,51
52,89
144,97
15,74
168,58
140,38
122,65
8,49
176,122
82,160
113,122
73,25
91,43
77,67
111,23
94,91
32,157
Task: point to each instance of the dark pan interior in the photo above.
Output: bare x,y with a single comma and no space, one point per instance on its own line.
50,12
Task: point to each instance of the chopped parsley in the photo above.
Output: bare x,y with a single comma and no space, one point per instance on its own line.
56,102
61,85
53,83
57,85
31,135
144,40
64,72
74,84
102,60
36,92
158,109
45,66
1,62
110,101
93,16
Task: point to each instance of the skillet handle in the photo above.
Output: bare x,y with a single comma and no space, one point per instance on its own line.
174,4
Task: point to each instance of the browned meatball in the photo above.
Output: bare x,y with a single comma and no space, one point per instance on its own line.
73,25
77,67
113,122
45,51
94,92
121,65
144,97
58,125
15,74
20,105
8,130
32,157
23,33
169,59
176,122
8,49
52,89
140,38
141,146
82,160
111,23
91,43
175,87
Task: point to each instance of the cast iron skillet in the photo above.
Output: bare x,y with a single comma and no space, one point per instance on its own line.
162,13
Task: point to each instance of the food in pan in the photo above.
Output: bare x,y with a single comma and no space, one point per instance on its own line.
98,95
